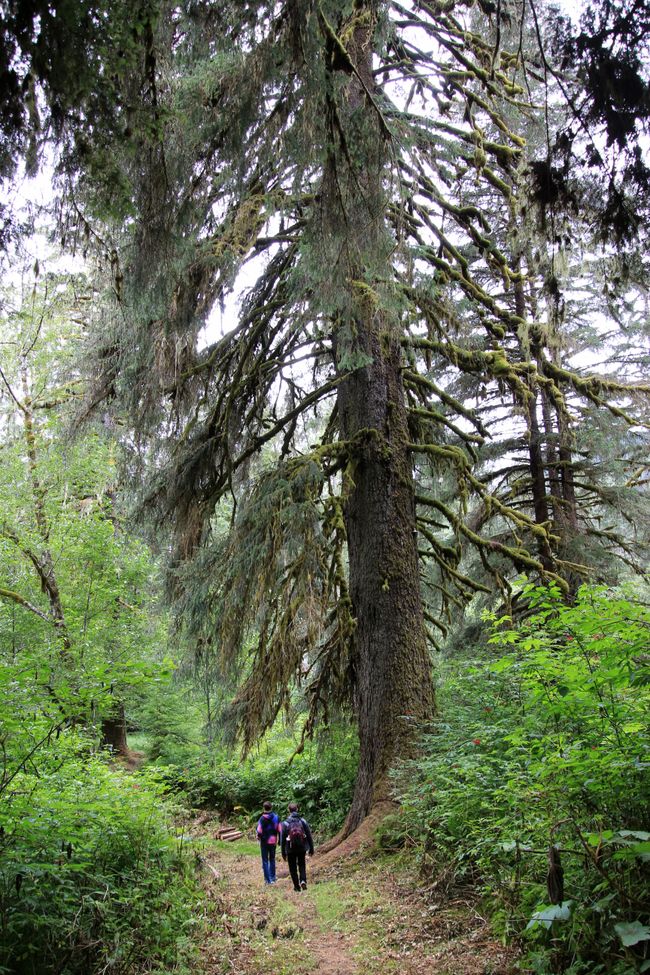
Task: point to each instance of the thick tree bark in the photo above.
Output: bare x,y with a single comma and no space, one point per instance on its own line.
114,730
393,672
393,686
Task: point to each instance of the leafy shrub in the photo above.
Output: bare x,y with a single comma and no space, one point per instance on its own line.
90,878
543,757
320,779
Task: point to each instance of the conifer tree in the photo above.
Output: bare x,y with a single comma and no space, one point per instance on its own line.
548,456
327,144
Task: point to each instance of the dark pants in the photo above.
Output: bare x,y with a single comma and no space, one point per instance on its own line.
296,861
268,861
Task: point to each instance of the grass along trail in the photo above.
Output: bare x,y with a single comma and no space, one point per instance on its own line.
365,915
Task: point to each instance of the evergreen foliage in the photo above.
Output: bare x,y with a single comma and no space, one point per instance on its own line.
77,75
608,55
433,216
382,166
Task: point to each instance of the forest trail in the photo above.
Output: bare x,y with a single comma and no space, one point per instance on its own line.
364,916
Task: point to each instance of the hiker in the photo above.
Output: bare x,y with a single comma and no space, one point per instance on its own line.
268,829
296,842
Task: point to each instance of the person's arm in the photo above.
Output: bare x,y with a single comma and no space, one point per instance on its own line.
309,837
283,835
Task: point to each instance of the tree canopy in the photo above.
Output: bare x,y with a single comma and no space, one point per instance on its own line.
405,413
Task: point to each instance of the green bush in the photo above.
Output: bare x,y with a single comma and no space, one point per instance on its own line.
321,779
393,833
90,878
544,754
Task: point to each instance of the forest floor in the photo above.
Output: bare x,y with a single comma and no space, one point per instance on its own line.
363,915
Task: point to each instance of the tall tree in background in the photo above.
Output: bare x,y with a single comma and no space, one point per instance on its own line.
571,462
331,144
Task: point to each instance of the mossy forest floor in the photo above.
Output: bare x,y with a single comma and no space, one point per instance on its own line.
365,915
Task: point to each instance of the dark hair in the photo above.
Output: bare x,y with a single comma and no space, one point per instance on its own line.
293,807
268,806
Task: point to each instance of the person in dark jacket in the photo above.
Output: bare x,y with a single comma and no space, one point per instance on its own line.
296,843
268,830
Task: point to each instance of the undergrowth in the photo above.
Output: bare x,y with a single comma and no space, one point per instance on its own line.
91,877
534,786
320,779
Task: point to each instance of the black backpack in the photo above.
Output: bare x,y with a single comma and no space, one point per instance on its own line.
296,834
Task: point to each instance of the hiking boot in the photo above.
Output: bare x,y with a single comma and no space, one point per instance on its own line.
303,885
298,890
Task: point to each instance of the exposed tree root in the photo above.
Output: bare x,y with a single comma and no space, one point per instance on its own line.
344,844
130,760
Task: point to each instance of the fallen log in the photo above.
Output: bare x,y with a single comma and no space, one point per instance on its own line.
229,833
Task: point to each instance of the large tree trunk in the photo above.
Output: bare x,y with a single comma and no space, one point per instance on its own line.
393,672
394,691
114,730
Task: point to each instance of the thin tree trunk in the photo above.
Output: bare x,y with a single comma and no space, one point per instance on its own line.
566,475
552,458
30,442
43,563
548,459
535,456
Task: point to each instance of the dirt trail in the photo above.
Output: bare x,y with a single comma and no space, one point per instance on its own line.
276,918
358,917
331,950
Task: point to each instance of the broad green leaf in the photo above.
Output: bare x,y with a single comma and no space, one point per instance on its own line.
632,933
554,912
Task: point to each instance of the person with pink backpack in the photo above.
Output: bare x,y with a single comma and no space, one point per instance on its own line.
268,830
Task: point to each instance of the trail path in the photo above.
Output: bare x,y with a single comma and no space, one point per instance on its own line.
360,917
